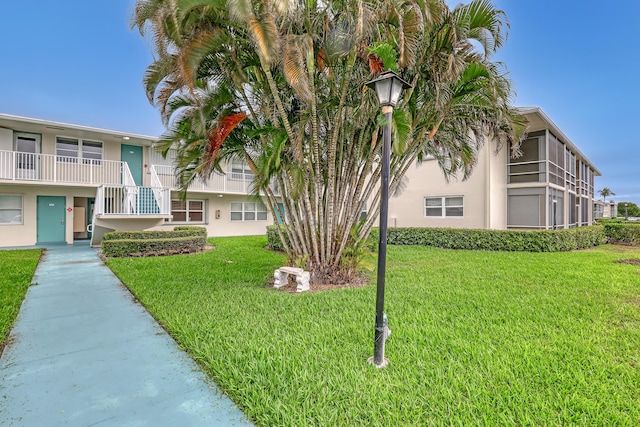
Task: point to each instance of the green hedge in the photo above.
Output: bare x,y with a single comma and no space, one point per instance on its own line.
153,247
626,232
499,240
273,239
616,220
184,231
488,240
198,231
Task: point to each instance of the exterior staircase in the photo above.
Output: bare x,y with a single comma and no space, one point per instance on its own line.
129,207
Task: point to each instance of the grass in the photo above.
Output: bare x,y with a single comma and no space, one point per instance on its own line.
16,271
478,338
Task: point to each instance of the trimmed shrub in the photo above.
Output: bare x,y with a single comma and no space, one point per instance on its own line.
499,240
199,231
488,240
625,232
273,239
616,220
153,247
156,234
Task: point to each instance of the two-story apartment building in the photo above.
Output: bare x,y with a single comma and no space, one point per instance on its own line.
61,182
551,185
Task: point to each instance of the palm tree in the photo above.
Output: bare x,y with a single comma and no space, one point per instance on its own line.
606,192
281,84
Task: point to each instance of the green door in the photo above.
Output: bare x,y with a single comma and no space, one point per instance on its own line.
51,219
281,206
132,154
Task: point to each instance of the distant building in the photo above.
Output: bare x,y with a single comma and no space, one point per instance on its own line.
605,210
550,186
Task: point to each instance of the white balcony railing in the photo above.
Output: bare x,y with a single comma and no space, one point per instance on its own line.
228,183
161,193
18,166
132,200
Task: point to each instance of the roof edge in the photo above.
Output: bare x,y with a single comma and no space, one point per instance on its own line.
557,131
54,123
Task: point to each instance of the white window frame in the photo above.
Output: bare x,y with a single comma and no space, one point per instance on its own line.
188,211
363,213
258,213
21,208
27,160
443,206
79,152
239,171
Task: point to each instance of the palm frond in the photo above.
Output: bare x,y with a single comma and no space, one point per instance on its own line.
265,36
295,50
194,51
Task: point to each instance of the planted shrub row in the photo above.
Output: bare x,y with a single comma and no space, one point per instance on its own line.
625,232
499,240
153,247
180,231
182,239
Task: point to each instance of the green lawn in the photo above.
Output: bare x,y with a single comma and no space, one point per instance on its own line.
479,338
16,271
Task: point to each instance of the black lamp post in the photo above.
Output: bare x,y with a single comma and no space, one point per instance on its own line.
388,87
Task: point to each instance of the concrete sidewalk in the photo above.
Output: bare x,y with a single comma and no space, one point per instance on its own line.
84,353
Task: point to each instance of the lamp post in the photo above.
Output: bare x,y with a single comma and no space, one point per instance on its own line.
626,211
388,88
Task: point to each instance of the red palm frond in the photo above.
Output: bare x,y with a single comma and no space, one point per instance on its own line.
218,134
321,60
375,64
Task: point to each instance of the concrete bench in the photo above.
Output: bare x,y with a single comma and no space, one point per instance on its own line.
281,277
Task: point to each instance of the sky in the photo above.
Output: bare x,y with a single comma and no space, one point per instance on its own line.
78,61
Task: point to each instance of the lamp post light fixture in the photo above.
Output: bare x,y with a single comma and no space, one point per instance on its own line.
388,88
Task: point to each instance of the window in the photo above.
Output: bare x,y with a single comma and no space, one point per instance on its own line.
531,166
240,170
526,208
70,149
573,211
363,213
447,206
556,161
27,147
250,211
92,151
556,208
187,211
10,209
584,211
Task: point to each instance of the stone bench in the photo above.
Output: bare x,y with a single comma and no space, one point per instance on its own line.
281,277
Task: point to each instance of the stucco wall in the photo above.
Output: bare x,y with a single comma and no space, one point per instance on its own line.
223,226
25,234
484,194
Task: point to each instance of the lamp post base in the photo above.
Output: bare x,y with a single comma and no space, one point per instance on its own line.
384,363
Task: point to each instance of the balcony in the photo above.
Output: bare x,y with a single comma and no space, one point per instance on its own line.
48,168
128,208
237,183
127,201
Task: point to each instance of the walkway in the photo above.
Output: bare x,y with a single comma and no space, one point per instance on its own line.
84,353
